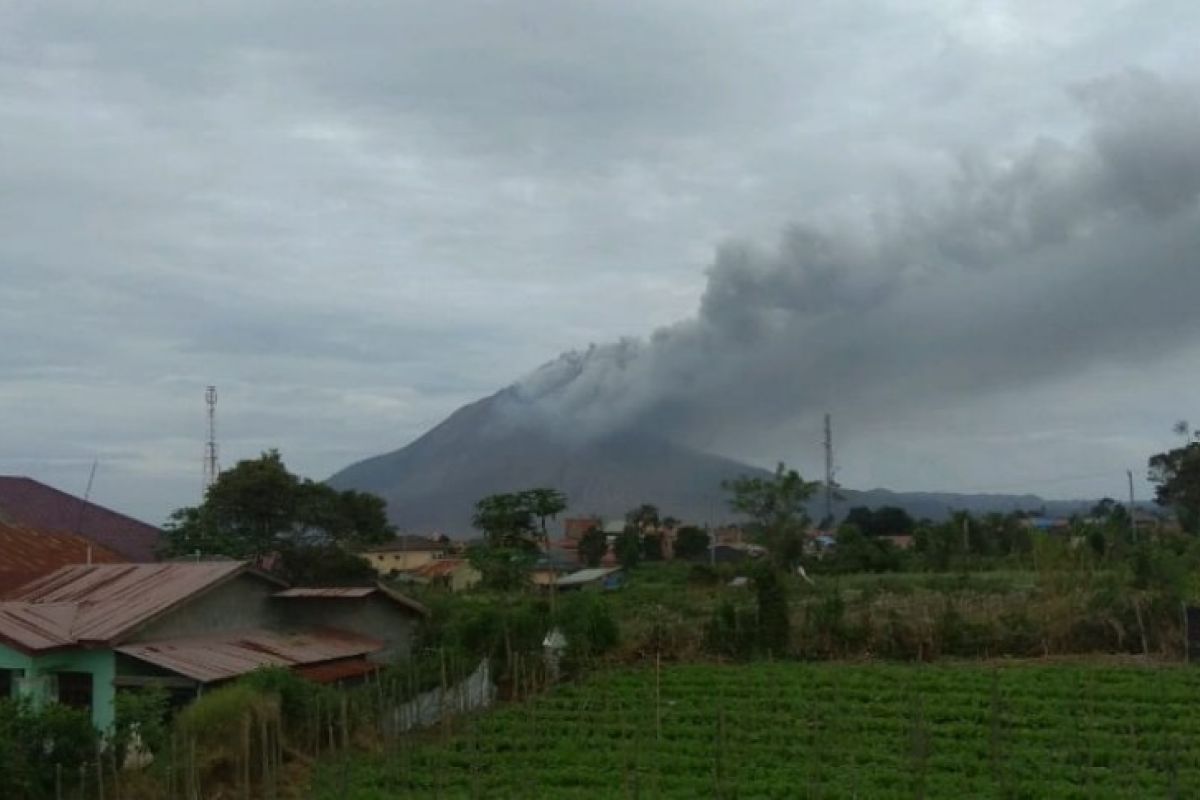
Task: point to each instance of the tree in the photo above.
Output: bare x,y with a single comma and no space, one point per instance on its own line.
778,508
691,542
259,509
1176,476
628,548
643,518
507,521
545,503
652,547
592,546
518,519
774,623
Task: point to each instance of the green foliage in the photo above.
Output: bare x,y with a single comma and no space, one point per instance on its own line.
691,542
883,521
589,627
503,568
517,520
592,546
259,508
828,730
858,553
652,549
643,518
1176,475
777,506
628,548
38,744
774,622
141,717
326,565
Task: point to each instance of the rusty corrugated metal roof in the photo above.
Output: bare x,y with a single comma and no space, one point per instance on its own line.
327,591
110,600
24,501
337,670
223,656
37,626
351,593
27,554
439,568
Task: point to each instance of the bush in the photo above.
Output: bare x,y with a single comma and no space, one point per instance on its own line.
142,719
589,628
35,744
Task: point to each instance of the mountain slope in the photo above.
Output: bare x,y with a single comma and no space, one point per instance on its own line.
433,483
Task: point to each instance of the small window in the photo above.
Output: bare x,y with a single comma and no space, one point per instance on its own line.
6,683
75,689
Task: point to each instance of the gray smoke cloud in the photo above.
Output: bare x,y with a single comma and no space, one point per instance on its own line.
1026,267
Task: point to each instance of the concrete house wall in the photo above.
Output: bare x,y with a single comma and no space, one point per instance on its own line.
372,616
242,602
34,677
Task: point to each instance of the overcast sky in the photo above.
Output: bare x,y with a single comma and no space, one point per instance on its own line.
352,221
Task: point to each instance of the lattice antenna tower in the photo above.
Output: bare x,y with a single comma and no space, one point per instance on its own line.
830,484
211,466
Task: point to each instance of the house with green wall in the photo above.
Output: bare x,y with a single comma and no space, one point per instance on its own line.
84,633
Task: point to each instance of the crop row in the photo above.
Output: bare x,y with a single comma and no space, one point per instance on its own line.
789,730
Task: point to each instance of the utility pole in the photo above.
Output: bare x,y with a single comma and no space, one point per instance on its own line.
1132,521
211,469
829,468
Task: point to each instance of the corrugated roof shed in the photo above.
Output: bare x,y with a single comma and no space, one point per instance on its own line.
411,544
351,593
24,501
587,576
27,554
327,591
223,656
110,600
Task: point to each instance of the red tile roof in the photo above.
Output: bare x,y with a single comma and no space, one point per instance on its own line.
27,554
24,501
227,655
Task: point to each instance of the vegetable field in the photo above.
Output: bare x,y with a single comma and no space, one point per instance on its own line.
795,730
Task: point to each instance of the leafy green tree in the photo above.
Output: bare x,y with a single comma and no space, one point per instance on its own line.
518,519
1176,476
644,518
259,509
858,553
778,508
628,548
691,542
506,521
592,546
544,503
774,621
503,568
652,547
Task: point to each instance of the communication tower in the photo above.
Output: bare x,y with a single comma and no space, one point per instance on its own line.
211,468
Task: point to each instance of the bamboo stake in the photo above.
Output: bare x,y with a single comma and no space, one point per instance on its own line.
99,772
246,756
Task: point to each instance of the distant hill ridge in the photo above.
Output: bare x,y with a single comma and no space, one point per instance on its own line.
432,484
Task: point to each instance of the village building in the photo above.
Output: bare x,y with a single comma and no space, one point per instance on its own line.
599,579
83,633
454,574
405,553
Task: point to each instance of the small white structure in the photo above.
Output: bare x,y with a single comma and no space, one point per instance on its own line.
553,648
